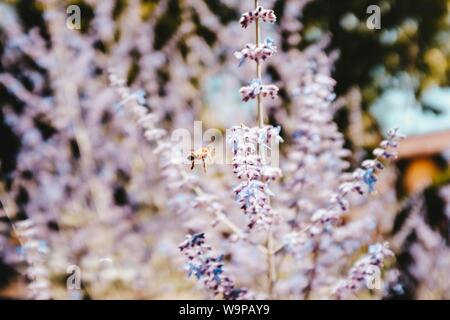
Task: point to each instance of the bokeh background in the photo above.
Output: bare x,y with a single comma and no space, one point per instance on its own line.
72,160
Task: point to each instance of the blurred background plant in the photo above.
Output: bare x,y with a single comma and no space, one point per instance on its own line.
75,165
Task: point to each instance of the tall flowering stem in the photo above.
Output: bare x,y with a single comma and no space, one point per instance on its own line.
270,262
249,144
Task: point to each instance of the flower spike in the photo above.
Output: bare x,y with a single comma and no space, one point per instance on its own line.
257,53
255,88
259,12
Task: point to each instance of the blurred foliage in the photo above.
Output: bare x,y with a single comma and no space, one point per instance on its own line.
414,35
414,38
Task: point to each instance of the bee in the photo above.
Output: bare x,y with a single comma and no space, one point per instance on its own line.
202,154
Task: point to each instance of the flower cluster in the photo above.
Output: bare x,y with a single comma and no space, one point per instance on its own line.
362,180
256,88
253,192
257,53
259,13
366,272
208,268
